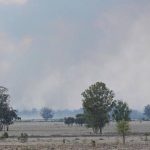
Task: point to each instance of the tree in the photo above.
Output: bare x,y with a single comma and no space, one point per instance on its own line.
123,128
69,121
80,119
121,114
147,111
7,113
121,111
46,113
97,103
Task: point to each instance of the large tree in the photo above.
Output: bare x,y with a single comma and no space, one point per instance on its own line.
97,103
46,113
7,113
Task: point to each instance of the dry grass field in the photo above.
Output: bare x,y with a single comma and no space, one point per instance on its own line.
57,136
42,129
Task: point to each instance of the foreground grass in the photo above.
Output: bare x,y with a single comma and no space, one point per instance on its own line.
80,143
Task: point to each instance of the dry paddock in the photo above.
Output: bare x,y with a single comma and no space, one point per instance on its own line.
51,136
80,143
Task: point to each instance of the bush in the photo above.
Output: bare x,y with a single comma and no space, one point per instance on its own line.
5,135
23,137
93,143
146,136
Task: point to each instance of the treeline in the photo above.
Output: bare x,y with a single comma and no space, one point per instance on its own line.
60,114
78,120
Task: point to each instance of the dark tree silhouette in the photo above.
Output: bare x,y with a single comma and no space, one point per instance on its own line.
69,121
46,113
80,119
147,111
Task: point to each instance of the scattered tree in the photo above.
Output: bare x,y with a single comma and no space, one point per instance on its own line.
7,113
123,128
97,103
147,111
46,113
121,111
69,121
80,119
121,114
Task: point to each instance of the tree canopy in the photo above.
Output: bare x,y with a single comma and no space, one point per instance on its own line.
97,103
69,121
46,113
7,113
121,111
80,119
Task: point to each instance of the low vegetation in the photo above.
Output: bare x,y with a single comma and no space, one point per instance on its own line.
23,137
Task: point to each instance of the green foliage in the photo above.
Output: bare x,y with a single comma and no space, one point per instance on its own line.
7,113
93,143
121,111
80,119
46,113
23,137
97,103
147,111
69,121
5,135
123,128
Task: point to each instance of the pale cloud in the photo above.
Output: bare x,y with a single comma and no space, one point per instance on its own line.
9,2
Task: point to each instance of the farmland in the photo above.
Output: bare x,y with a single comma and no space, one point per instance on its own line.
48,135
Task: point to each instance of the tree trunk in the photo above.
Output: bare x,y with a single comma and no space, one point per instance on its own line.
124,139
95,130
7,127
100,130
1,126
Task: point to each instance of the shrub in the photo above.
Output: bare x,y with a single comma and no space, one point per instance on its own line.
146,136
5,135
64,141
93,143
23,137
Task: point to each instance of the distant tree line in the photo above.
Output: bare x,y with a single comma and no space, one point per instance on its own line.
78,120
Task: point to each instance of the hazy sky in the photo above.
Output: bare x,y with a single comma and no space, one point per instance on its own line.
52,50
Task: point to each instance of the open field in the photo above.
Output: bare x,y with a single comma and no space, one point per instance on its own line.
57,136
80,143
59,129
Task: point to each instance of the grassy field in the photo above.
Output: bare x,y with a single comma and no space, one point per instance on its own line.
50,136
59,129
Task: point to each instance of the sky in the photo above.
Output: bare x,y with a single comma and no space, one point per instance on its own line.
51,51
